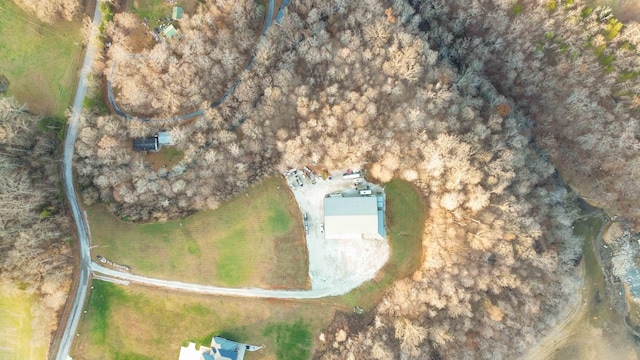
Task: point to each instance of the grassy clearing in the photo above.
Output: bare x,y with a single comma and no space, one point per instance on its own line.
145,323
406,213
293,340
151,9
142,323
254,240
40,60
16,333
167,157
154,10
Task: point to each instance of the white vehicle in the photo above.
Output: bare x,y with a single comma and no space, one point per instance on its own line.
354,175
321,228
358,181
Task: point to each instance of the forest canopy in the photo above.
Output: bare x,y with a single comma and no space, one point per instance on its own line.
438,94
34,256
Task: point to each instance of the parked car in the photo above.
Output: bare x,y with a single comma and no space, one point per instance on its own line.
321,228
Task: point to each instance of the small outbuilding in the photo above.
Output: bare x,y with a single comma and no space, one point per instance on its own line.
177,12
153,143
164,138
169,31
146,144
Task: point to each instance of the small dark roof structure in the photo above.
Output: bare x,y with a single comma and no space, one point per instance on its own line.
145,144
176,14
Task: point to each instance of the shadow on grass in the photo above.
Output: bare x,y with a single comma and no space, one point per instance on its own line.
406,214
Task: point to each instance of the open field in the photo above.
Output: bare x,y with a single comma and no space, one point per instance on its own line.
39,60
406,212
136,322
16,333
144,323
255,240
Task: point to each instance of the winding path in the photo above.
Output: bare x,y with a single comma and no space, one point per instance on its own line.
267,24
67,178
87,267
107,274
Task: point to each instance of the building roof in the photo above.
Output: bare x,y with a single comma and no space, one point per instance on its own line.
176,14
169,31
142,144
224,344
224,349
164,138
190,352
221,349
357,216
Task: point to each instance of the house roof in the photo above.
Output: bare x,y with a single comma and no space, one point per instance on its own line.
176,14
169,31
224,344
164,138
353,217
221,349
142,144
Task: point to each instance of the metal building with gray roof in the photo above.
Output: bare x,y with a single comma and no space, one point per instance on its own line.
352,217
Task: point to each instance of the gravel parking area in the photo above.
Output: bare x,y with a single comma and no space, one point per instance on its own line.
334,263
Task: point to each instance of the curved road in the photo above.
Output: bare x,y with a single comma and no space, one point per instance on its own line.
86,265
122,277
267,23
67,178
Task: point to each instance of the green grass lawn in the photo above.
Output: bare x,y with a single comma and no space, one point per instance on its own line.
39,60
152,10
255,240
16,333
136,322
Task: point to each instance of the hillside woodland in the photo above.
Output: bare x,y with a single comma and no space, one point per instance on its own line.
33,254
340,84
50,11
573,70
189,71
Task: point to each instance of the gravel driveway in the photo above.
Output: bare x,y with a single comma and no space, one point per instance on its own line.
336,263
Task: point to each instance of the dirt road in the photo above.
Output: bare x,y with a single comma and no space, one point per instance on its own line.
67,175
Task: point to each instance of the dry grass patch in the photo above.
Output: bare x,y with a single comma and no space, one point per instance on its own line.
255,240
167,157
17,337
40,60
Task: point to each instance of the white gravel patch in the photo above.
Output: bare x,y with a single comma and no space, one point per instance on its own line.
338,264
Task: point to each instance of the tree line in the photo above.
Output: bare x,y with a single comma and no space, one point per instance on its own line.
35,256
